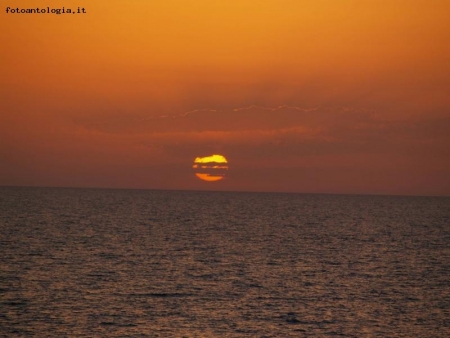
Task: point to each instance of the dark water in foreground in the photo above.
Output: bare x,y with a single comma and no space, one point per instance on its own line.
80,262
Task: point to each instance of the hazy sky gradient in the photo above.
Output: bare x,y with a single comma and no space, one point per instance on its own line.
303,96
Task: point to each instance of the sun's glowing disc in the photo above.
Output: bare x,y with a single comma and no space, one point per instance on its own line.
210,168
212,158
207,177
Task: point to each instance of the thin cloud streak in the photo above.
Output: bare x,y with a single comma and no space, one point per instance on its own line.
207,110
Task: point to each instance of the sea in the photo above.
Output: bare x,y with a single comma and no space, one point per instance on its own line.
149,263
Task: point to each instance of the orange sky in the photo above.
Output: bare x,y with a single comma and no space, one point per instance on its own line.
325,96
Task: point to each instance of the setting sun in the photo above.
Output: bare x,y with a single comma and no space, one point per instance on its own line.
212,158
210,168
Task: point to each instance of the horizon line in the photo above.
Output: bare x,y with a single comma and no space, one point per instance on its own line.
224,191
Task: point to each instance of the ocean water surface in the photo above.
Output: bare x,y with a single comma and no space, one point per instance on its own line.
143,263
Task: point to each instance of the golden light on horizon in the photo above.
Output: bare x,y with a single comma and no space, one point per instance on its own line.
210,168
